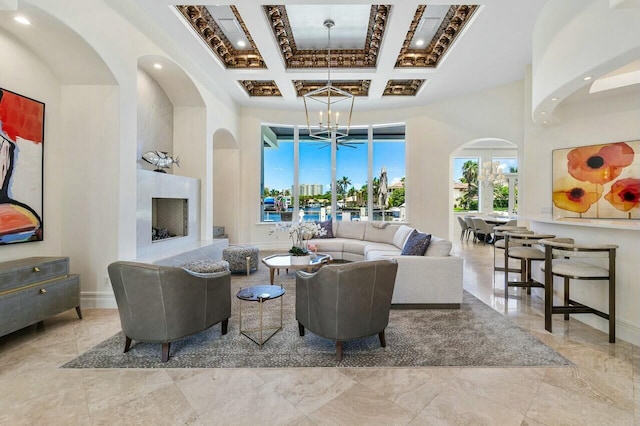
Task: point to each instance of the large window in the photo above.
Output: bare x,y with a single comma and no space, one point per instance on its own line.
465,184
300,175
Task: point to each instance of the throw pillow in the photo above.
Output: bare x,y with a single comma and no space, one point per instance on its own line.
416,244
205,268
328,229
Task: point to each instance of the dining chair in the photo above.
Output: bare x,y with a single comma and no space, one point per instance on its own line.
464,228
482,228
472,229
565,259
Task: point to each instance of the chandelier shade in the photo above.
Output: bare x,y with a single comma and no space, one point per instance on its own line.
491,172
329,105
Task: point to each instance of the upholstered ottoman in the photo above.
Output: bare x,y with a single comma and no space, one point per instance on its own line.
242,258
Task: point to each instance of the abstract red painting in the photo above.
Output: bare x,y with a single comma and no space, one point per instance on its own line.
21,168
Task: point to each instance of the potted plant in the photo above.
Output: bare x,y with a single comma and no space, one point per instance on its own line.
299,233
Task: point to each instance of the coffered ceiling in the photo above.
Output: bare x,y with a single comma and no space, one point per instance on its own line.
401,52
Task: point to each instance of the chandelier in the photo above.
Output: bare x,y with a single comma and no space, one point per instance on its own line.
325,104
491,172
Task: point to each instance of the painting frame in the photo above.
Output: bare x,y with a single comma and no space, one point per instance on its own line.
22,132
599,181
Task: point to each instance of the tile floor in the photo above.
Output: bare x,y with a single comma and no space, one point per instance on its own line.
602,389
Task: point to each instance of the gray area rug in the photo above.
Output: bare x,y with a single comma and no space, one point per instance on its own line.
474,335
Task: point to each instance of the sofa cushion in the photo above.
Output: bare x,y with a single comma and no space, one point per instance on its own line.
374,251
353,230
327,226
380,232
355,246
401,235
416,244
328,244
438,247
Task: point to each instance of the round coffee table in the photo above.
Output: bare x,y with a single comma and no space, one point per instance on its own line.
260,294
283,261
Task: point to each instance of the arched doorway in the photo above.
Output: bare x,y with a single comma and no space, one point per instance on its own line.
483,176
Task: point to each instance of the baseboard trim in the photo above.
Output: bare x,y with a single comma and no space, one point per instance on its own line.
98,300
425,306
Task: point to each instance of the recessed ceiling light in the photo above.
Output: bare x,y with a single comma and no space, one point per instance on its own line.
545,122
157,66
241,43
554,99
543,112
419,42
22,20
587,78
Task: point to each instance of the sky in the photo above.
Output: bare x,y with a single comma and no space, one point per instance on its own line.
315,163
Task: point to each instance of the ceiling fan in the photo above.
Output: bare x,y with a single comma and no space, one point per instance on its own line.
348,143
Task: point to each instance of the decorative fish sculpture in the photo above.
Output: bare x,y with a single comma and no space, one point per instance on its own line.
160,159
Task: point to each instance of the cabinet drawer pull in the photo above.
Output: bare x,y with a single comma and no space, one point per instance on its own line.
43,290
36,269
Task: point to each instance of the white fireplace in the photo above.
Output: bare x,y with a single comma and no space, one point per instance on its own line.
170,202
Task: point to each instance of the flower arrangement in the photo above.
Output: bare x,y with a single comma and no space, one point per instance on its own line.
299,233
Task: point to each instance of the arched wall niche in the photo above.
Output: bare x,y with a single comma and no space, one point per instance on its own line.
226,182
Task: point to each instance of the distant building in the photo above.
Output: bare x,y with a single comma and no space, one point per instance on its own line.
311,189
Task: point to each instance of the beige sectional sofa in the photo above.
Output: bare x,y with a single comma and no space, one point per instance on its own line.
430,281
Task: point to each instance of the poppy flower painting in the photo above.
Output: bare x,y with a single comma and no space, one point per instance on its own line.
21,156
597,181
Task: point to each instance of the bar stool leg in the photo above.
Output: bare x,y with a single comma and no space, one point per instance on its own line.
548,290
612,296
566,296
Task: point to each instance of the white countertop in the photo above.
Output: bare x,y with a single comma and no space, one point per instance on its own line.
627,224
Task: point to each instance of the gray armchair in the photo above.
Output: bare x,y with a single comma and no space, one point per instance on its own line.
162,303
346,301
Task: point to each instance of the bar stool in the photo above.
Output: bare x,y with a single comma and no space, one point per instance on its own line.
563,259
521,246
499,243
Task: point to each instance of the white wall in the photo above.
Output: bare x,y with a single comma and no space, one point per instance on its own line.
155,120
433,132
89,194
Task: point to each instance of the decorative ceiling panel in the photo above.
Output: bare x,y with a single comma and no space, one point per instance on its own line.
206,27
317,58
355,87
402,87
260,88
429,57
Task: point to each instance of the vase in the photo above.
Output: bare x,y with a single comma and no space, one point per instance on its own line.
300,260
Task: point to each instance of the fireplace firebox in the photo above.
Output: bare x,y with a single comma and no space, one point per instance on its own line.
169,218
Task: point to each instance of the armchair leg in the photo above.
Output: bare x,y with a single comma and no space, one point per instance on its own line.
383,342
338,351
301,329
165,351
127,344
225,326
79,312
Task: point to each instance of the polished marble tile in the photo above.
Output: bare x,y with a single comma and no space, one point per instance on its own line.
307,388
361,405
410,388
556,406
164,406
459,405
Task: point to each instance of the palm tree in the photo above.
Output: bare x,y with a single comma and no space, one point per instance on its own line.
470,177
342,186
